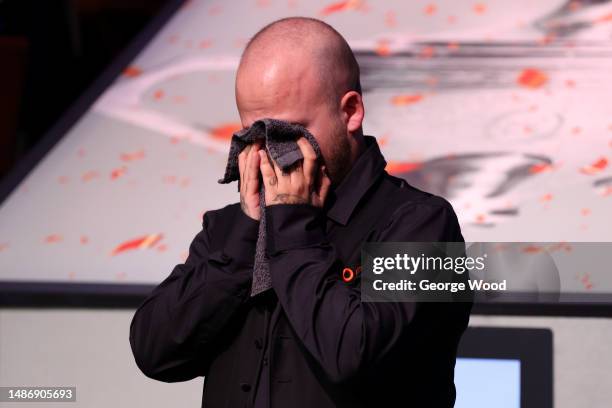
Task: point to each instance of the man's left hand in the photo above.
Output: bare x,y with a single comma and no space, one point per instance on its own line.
306,183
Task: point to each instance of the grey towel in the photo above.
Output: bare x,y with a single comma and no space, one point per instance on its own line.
280,141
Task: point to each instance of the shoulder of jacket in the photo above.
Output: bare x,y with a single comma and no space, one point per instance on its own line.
226,212
404,195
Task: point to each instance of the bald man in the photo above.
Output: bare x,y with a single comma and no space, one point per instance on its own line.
309,341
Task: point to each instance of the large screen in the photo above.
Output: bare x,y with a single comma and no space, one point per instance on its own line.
504,367
483,383
504,108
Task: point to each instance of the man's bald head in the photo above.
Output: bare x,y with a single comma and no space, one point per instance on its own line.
328,51
301,70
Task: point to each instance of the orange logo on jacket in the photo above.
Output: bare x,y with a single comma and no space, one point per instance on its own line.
348,275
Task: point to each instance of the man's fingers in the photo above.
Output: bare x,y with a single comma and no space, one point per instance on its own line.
242,159
252,167
251,177
267,172
310,159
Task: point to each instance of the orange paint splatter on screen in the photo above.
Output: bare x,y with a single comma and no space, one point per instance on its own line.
384,139
131,71
576,130
427,52
128,157
53,238
560,246
585,211
540,168
390,18
547,197
596,167
143,242
382,48
532,249
89,175
225,131
341,6
4,246
169,179
480,218
159,94
586,281
408,99
453,45
570,83
606,191
532,78
205,44
500,247
479,8
63,179
430,9
394,167
185,181
263,3
162,248
606,18
546,39
575,5
84,239
451,19
71,275
118,172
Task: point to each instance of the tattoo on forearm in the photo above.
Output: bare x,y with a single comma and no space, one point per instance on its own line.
289,199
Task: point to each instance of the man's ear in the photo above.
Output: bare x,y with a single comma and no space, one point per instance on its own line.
353,111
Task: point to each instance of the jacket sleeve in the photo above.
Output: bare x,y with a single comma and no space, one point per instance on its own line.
340,332
172,333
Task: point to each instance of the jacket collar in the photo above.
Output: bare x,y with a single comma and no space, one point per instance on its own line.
343,200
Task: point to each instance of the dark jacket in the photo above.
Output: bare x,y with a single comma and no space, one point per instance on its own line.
309,342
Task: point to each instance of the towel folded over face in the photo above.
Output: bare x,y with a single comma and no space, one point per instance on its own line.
280,141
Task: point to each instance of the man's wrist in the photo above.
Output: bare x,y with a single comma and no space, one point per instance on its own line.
291,226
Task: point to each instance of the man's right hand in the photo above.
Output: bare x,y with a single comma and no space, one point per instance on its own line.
248,164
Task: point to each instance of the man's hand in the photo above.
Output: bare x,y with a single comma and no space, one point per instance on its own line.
306,183
248,164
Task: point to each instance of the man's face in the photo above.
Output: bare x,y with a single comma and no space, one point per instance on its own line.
290,91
